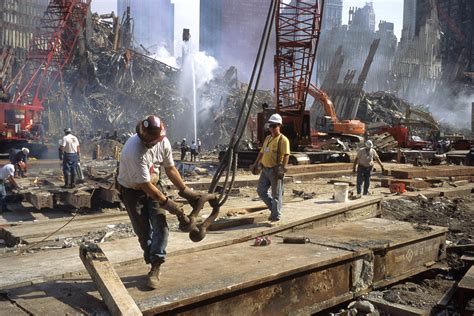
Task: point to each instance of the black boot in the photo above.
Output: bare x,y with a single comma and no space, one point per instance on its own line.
66,181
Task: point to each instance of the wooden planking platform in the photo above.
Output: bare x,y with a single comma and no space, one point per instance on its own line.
40,267
432,171
273,285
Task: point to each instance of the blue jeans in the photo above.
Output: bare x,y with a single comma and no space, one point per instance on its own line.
149,224
69,168
3,196
268,179
363,175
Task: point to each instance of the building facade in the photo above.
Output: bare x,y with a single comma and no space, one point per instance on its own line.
230,31
457,23
152,23
332,14
18,22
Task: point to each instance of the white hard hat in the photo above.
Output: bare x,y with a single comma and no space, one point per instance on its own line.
25,150
184,139
369,144
275,119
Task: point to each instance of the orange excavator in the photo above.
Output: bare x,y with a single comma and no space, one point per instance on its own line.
330,123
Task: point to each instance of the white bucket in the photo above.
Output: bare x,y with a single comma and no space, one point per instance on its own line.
341,192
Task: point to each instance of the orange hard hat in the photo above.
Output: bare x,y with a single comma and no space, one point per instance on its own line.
22,165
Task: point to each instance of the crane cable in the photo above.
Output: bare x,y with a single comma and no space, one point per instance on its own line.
229,161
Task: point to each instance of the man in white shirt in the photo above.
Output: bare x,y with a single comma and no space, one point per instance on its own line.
142,156
7,173
69,153
364,163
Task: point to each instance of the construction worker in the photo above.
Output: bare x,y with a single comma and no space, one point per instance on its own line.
273,158
69,153
19,158
199,144
7,173
194,150
184,149
364,163
142,156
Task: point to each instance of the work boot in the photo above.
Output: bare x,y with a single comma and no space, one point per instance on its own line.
153,277
66,182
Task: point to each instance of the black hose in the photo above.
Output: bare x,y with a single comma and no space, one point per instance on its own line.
229,160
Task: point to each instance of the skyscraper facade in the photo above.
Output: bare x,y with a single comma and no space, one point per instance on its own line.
231,30
153,22
332,14
18,22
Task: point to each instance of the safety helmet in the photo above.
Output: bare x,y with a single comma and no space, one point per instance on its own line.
22,165
369,144
25,150
151,130
275,119
67,130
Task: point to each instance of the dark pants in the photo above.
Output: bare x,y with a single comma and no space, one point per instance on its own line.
183,154
18,171
363,175
149,224
69,168
3,196
194,154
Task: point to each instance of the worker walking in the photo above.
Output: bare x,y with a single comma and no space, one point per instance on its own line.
273,158
364,163
142,156
184,149
19,158
69,153
6,174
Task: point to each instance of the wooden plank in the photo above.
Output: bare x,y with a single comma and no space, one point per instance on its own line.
41,267
111,288
467,282
40,199
397,309
78,199
447,296
435,171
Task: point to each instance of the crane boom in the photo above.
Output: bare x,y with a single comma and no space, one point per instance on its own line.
50,49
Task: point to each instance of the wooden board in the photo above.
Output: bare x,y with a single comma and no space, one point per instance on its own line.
110,287
432,171
40,267
467,282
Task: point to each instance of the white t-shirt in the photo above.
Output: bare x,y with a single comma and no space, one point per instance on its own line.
7,171
136,161
70,144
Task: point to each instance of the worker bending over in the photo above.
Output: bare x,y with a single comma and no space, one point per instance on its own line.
19,158
69,153
142,156
365,163
6,174
273,158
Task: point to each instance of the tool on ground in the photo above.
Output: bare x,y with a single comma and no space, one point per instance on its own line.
296,240
262,241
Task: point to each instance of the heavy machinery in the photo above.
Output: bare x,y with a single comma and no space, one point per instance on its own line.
50,49
330,123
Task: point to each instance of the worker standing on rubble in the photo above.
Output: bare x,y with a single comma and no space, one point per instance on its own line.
142,156
184,149
19,158
194,151
69,153
6,174
273,158
364,163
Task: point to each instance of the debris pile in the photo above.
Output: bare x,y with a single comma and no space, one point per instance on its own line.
111,90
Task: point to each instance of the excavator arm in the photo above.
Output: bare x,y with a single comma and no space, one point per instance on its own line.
323,98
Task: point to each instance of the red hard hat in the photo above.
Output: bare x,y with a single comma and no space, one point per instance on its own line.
151,127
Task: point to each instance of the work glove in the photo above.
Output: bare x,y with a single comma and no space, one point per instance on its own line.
281,171
60,155
191,196
255,168
172,207
78,158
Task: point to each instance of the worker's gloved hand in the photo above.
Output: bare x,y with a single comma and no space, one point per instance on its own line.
383,169
354,171
191,196
60,155
78,158
281,171
172,207
255,168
